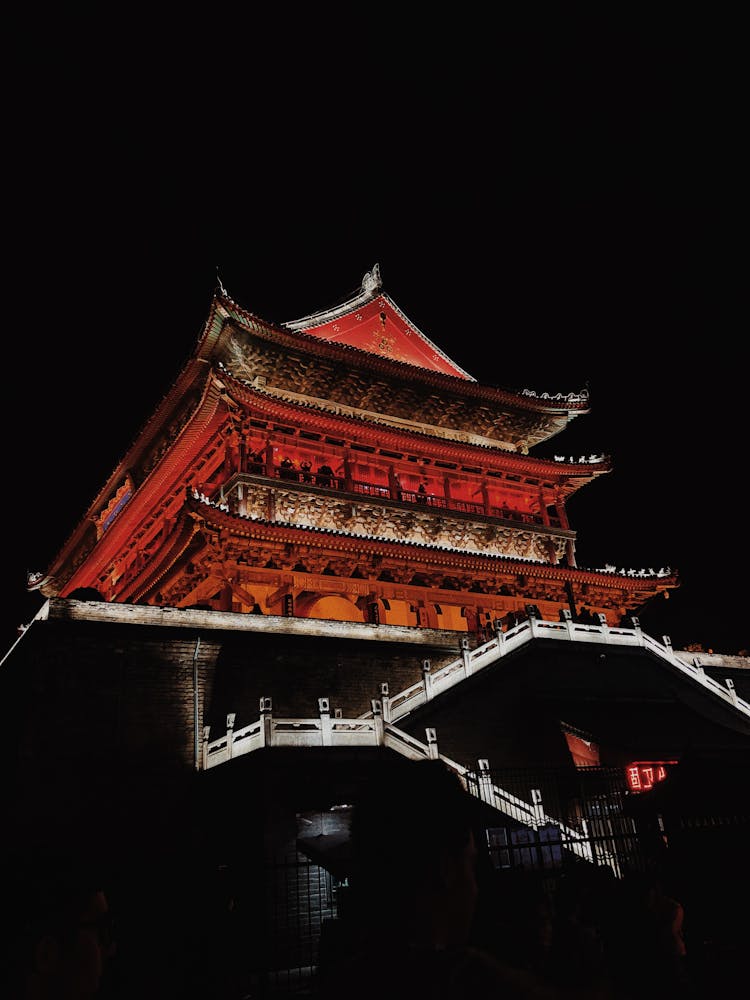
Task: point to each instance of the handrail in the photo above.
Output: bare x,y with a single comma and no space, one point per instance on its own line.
269,731
422,691
327,731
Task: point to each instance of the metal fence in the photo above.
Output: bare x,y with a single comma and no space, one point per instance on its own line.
592,802
301,897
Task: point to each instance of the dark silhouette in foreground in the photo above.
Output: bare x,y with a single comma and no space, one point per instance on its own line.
414,897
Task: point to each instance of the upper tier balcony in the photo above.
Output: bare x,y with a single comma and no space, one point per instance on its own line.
324,479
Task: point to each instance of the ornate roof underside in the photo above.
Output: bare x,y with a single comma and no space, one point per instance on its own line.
445,444
215,539
156,467
341,377
397,401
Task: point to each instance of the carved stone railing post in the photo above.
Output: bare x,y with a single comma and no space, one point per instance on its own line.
536,802
324,708
499,634
731,688
386,701
266,722
466,656
377,717
485,791
432,747
532,617
230,734
204,749
567,616
427,677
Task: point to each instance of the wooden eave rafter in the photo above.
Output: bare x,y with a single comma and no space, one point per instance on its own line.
192,371
224,311
166,477
258,530
180,543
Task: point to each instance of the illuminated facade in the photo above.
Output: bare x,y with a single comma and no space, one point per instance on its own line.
329,546
342,467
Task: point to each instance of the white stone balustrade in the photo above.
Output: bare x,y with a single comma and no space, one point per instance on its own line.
376,727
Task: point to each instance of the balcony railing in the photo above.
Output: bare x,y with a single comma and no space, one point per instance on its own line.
330,481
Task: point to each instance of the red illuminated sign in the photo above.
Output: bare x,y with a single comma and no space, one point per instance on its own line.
642,775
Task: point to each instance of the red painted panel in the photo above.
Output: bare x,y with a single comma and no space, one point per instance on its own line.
380,329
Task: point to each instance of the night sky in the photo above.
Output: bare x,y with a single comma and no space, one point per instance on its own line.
576,229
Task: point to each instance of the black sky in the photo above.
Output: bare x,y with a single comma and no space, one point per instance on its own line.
570,224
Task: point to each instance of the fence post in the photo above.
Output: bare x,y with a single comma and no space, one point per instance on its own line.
586,835
266,723
325,721
230,734
432,747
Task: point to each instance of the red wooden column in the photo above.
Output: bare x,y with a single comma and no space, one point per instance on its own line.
564,523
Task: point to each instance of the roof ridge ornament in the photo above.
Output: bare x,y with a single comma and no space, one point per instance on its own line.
372,281
371,285
222,289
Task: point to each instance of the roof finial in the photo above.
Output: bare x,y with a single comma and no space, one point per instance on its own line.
222,289
372,281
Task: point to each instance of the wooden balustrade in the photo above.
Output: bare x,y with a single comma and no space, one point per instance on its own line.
384,492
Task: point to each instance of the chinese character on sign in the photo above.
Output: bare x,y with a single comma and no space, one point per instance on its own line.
642,775
634,778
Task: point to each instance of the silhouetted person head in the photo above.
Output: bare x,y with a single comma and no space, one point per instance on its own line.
61,928
415,854
415,894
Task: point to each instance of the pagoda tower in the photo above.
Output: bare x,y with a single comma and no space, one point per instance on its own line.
329,548
342,467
